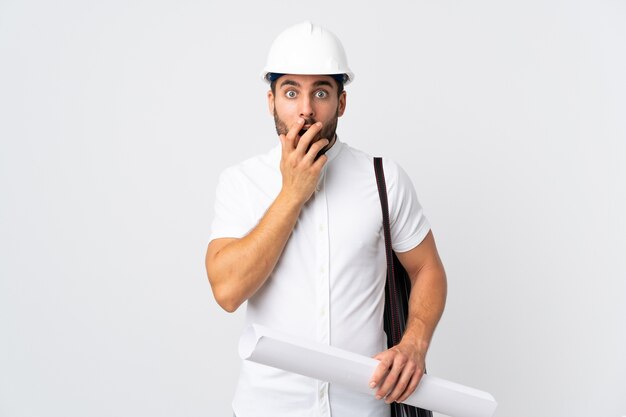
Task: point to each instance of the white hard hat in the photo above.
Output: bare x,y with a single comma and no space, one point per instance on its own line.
307,49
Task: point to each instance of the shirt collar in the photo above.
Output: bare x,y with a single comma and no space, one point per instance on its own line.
335,149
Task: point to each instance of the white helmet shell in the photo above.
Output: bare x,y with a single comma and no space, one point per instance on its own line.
306,48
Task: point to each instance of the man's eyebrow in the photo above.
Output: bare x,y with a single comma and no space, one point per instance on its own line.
322,82
289,82
318,83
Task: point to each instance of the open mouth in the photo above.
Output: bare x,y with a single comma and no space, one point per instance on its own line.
303,130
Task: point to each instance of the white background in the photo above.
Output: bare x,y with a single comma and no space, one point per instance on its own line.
116,118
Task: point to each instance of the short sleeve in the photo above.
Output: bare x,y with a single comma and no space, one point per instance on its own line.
409,225
232,214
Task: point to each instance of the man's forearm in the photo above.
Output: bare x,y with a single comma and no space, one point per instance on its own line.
401,367
426,304
238,269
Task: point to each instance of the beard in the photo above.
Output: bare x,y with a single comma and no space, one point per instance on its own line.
328,130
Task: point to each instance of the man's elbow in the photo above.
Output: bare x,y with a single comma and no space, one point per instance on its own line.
226,299
221,293
223,282
229,307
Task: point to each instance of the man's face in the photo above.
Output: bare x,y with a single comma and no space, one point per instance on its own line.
312,97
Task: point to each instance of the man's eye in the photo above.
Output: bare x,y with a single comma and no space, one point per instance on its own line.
321,94
290,94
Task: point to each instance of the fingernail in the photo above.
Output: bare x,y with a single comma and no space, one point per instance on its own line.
372,384
378,397
300,120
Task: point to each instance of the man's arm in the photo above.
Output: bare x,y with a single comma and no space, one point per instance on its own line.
402,366
237,268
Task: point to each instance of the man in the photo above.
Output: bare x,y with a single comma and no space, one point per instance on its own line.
298,235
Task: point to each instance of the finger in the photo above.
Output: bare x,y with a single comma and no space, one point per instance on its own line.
320,162
401,386
287,149
316,148
392,377
292,134
410,389
383,367
308,136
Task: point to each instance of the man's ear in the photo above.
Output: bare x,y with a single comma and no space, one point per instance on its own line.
270,102
342,103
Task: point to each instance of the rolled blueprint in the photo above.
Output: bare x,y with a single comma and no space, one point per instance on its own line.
337,366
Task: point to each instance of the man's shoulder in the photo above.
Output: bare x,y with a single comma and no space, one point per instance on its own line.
361,157
356,155
257,165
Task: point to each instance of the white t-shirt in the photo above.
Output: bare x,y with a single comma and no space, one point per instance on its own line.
329,283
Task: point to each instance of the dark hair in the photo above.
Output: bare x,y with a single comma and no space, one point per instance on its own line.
339,79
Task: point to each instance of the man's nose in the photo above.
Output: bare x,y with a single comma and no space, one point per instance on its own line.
306,108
